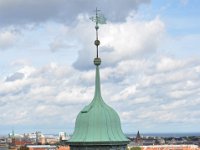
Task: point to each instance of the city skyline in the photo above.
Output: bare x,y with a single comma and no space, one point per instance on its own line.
149,72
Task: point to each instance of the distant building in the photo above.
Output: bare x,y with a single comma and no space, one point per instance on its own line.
47,147
51,140
147,142
170,147
38,136
41,147
161,141
18,142
63,148
3,142
63,136
165,147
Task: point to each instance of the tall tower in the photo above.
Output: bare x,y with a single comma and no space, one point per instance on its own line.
98,126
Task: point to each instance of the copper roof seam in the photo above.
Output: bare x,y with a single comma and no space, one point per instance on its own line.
112,125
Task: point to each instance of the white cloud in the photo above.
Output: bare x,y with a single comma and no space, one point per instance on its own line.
169,64
132,37
125,94
7,39
130,84
55,90
24,12
149,89
184,2
120,41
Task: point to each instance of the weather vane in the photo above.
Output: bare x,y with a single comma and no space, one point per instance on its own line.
98,19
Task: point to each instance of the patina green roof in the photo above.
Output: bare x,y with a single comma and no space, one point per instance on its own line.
98,122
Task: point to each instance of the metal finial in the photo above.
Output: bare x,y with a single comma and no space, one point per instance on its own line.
98,19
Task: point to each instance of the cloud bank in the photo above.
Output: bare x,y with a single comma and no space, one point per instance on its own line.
31,11
51,76
141,92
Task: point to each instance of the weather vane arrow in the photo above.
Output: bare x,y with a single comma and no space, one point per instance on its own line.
99,18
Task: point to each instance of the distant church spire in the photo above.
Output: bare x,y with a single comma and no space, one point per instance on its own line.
13,133
138,139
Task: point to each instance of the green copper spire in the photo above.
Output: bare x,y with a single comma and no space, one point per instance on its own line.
98,125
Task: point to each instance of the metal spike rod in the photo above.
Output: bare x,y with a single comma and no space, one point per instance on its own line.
98,19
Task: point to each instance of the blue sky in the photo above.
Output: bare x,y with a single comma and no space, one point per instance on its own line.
149,73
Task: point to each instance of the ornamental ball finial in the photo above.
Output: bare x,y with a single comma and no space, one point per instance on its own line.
97,42
97,61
